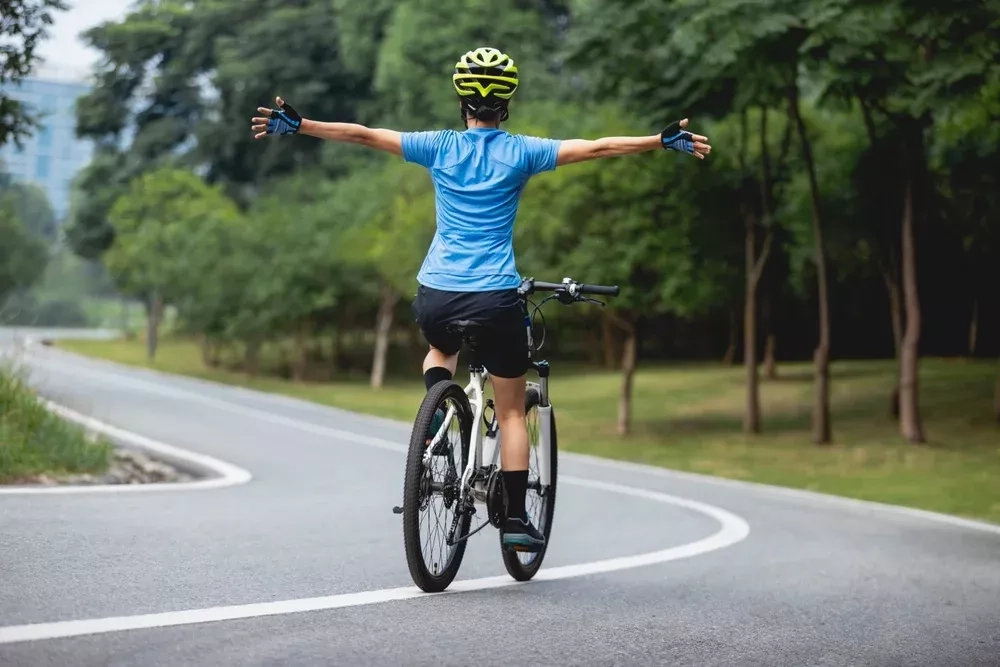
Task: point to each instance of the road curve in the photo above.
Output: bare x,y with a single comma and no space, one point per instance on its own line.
303,564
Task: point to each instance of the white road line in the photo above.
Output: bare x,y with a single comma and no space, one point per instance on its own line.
227,473
228,406
733,530
787,492
123,374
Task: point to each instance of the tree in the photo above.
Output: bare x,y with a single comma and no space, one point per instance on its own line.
96,188
31,205
156,226
393,224
22,255
618,222
23,27
669,56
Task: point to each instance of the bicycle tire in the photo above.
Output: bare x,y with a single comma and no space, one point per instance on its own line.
519,570
414,494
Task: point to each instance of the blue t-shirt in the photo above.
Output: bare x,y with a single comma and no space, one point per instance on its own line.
478,177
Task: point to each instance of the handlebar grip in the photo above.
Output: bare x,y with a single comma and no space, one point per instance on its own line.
606,290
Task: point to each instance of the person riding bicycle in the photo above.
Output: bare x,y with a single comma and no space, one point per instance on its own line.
469,272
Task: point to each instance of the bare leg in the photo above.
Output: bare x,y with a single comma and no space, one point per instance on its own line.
509,398
437,359
518,532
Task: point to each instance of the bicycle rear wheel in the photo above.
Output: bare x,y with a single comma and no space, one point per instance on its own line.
540,501
433,502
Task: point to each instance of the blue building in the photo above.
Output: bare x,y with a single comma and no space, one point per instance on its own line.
52,156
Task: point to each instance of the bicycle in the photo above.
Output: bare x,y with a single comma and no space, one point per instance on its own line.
460,485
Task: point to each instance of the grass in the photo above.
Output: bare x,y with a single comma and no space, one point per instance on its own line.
688,418
34,441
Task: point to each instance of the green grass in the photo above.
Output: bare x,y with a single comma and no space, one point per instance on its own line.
688,418
34,441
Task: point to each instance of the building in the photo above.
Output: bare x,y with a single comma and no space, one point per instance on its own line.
53,155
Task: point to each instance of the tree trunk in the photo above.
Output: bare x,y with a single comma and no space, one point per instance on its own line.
910,424
895,310
751,416
896,315
628,375
383,327
974,328
770,361
730,356
608,342
154,313
821,430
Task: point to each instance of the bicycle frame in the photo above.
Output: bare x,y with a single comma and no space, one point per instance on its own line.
475,391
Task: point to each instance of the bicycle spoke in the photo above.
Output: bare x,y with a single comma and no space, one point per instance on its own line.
534,502
438,518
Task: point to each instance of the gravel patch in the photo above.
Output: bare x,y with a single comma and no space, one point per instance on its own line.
128,466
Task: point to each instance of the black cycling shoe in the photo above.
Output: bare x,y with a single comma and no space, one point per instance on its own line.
520,535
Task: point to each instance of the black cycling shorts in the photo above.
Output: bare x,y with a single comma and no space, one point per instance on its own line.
502,343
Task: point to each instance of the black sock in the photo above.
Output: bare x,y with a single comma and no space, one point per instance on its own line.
516,484
434,375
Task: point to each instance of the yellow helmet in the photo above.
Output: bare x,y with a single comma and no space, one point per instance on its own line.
485,79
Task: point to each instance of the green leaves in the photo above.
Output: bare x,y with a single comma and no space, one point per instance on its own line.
22,254
159,223
24,25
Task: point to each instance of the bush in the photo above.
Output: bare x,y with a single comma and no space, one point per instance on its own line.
34,441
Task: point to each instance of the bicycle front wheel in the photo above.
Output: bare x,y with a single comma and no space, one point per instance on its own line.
434,514
541,500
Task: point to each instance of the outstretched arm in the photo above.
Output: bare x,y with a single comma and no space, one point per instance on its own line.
285,120
672,138
389,141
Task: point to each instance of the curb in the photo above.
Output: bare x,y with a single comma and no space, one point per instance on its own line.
215,473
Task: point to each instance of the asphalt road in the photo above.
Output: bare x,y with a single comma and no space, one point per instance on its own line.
726,573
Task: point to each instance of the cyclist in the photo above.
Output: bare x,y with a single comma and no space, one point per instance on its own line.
469,272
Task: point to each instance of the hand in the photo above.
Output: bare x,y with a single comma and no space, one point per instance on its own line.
283,120
675,138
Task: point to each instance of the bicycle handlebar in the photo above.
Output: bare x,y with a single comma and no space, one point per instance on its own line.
569,287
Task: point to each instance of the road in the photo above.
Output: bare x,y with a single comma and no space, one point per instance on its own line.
304,564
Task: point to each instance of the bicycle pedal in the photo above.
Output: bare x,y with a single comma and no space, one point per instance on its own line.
397,510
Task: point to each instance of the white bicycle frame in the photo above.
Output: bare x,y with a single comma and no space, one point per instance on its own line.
491,452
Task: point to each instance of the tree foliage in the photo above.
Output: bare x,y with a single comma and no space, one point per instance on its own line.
22,254
823,115
24,24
